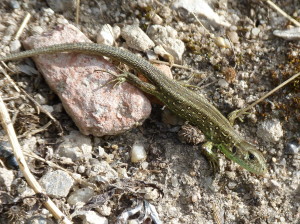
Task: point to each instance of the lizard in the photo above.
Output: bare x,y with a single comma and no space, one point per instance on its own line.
186,103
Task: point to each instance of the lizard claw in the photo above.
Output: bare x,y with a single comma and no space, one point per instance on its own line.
211,156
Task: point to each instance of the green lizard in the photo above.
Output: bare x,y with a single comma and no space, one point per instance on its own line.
182,101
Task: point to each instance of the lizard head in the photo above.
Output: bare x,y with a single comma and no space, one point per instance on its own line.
247,156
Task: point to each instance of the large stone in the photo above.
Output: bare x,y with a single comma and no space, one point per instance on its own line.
96,105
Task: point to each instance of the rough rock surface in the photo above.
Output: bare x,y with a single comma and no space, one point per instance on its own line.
96,106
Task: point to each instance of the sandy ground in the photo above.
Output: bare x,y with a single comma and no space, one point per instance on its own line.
192,194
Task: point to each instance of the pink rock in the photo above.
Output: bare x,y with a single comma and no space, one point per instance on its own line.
96,106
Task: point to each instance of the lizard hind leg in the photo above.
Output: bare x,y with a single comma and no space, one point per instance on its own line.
211,156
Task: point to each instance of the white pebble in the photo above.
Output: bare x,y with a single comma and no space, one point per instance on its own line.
138,153
15,46
81,169
144,165
222,83
255,31
233,36
37,30
222,42
194,198
106,35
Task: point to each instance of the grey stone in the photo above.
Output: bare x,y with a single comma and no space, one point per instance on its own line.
136,38
57,183
75,146
61,5
80,196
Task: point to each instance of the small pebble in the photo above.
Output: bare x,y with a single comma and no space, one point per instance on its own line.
231,185
104,210
174,181
6,178
2,27
194,198
48,108
138,153
136,38
14,4
57,183
15,46
223,84
106,35
36,30
233,36
222,42
193,173
114,146
122,172
61,5
275,184
255,31
40,99
81,169
144,165
81,195
156,19
292,148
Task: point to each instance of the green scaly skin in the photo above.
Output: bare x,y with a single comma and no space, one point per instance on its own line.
182,101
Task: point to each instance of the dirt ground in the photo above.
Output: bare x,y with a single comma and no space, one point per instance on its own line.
191,192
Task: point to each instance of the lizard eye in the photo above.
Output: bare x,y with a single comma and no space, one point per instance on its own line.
251,156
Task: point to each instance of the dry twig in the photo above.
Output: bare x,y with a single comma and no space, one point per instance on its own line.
8,127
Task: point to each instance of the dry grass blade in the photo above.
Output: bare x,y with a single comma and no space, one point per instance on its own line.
38,106
241,112
8,127
22,26
9,78
280,11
